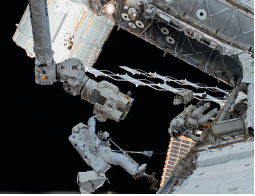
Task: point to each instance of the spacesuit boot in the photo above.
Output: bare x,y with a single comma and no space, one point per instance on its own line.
142,168
138,170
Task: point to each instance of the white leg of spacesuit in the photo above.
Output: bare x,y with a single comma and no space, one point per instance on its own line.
200,110
203,118
121,160
206,117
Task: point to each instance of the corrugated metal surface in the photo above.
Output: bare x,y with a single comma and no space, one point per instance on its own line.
90,37
68,18
23,34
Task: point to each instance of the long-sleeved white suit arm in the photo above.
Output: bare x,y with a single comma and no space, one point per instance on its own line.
92,127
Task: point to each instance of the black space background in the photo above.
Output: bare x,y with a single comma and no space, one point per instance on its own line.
35,154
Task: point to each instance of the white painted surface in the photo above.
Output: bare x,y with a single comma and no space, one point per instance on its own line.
232,177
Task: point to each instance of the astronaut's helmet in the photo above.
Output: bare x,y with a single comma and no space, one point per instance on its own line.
85,128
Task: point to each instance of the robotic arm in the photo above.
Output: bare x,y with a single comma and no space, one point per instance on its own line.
107,100
44,65
41,32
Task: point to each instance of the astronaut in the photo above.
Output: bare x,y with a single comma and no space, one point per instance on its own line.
96,153
186,122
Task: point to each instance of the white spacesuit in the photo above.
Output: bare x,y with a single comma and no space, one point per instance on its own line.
185,123
98,155
90,146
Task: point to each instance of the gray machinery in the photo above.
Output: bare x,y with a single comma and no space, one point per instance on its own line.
108,101
215,36
209,35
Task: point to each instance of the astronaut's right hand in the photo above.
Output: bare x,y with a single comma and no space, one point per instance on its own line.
45,75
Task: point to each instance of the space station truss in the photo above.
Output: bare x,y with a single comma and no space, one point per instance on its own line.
223,19
159,86
207,34
177,150
68,20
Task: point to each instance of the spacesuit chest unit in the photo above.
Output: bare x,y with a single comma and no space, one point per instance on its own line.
89,148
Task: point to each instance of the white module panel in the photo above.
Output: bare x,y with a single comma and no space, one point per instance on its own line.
71,24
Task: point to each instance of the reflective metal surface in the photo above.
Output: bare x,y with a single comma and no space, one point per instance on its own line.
163,35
